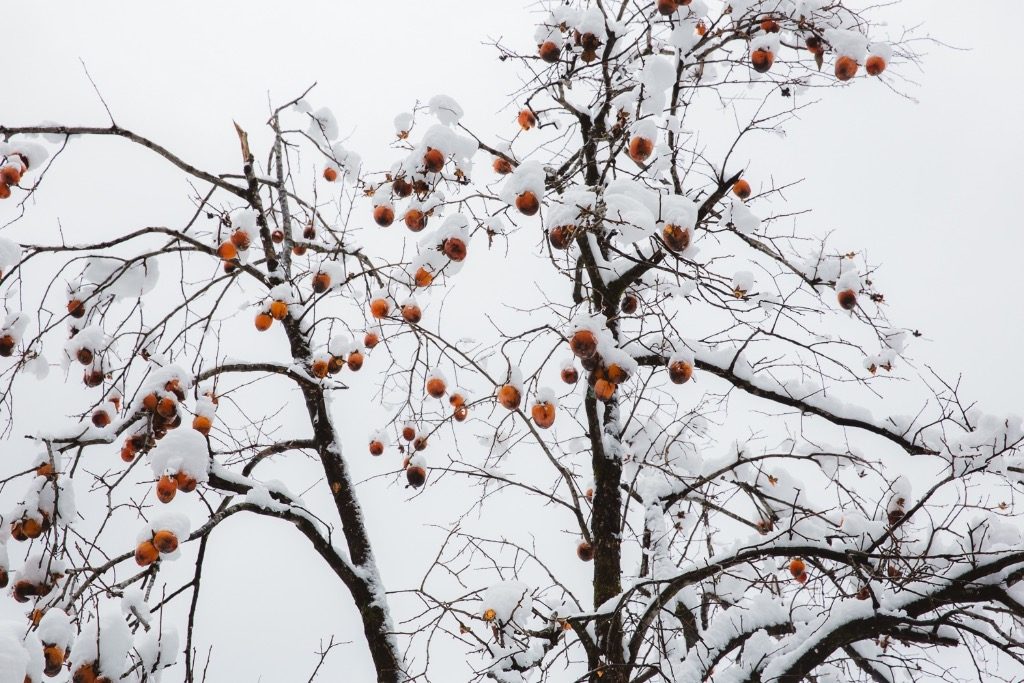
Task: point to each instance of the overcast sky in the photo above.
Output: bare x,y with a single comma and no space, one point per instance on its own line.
928,184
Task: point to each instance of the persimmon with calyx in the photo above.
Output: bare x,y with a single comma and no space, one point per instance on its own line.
319,368
423,278
667,7
461,413
383,215
629,303
543,414
165,541
570,375
433,160
875,65
501,166
527,119
166,488
797,567
278,310
330,174
7,344
604,390
527,203
354,361
762,60
53,659
167,407
277,236
415,220
846,68
420,443
769,25
227,251
411,313
263,321
370,339
379,308
583,343
185,482
376,447
10,175
436,387
509,396
240,238
416,476
146,554
76,308
408,433
84,356
321,282
454,248
680,372
676,237
741,188
616,374
101,418
202,424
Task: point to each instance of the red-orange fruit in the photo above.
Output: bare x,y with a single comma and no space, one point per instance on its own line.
875,65
680,372
846,68
629,303
423,278
229,267
415,220
32,528
762,60
814,44
570,375
84,356
640,149
667,7
549,51
309,232
128,451
53,660
76,309
370,339
166,487
741,188
454,248
10,175
23,590
86,673
616,374
847,299
165,541
769,25
411,313
585,551
408,433
240,238
202,424
5,191
797,567
416,476
146,554
18,530
527,119
401,187
383,215
560,236
167,407
277,236
319,368
321,282
101,418
355,361
379,308
436,387
299,249
150,401
7,344
676,238
420,444
330,174
433,160
802,578
44,470
604,390
376,448
185,482
227,251
583,343
501,166
509,396
590,42
527,203
543,414
461,413
457,399
278,310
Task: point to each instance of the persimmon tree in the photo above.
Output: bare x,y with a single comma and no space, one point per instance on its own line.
678,397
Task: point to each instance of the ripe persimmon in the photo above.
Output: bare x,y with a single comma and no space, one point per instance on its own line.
240,238
570,375
527,203
185,482
585,551
846,68
376,447
509,396
604,390
5,191
76,308
583,343
461,413
166,487
10,175
277,236
454,248
167,407
355,361
330,174
762,60
741,188
321,282
370,339
814,45
423,278
415,220
875,65
501,166
680,372
667,7
380,308
411,313
436,387
561,236
629,303
549,51
7,344
769,25
146,554
165,541
128,451
527,119
383,215
847,299
53,659
44,470
84,356
616,374
299,249
32,528
101,418
401,187
309,232
227,251
319,368
543,414
408,433
278,310
416,476
433,160
797,567
676,238
640,148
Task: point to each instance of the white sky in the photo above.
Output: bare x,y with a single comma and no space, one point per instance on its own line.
930,189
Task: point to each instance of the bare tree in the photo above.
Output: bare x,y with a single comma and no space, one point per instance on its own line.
694,391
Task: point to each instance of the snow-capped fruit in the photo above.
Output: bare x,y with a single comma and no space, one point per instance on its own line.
680,372
415,220
23,590
335,364
7,344
379,308
416,476
676,238
543,414
461,413
166,488
299,249
509,396
741,188
769,25
309,232
408,433
604,390
101,418
549,51
84,356
629,303
433,160
5,191
411,313
376,447
814,45
762,60
422,277
240,239
319,368
86,673
527,203
146,554
456,399
702,28
202,424
501,166
585,551
128,451
667,7
45,470
616,374
640,148
76,308
797,567
527,119
93,378
354,361
277,236
846,68
847,299
370,339
4,578
185,482
53,660
454,248
570,375
383,215
330,174
18,530
875,65
436,387
321,282
167,407
401,187
263,321
560,236
583,343
278,310
165,541
420,443
489,614
10,175
227,251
